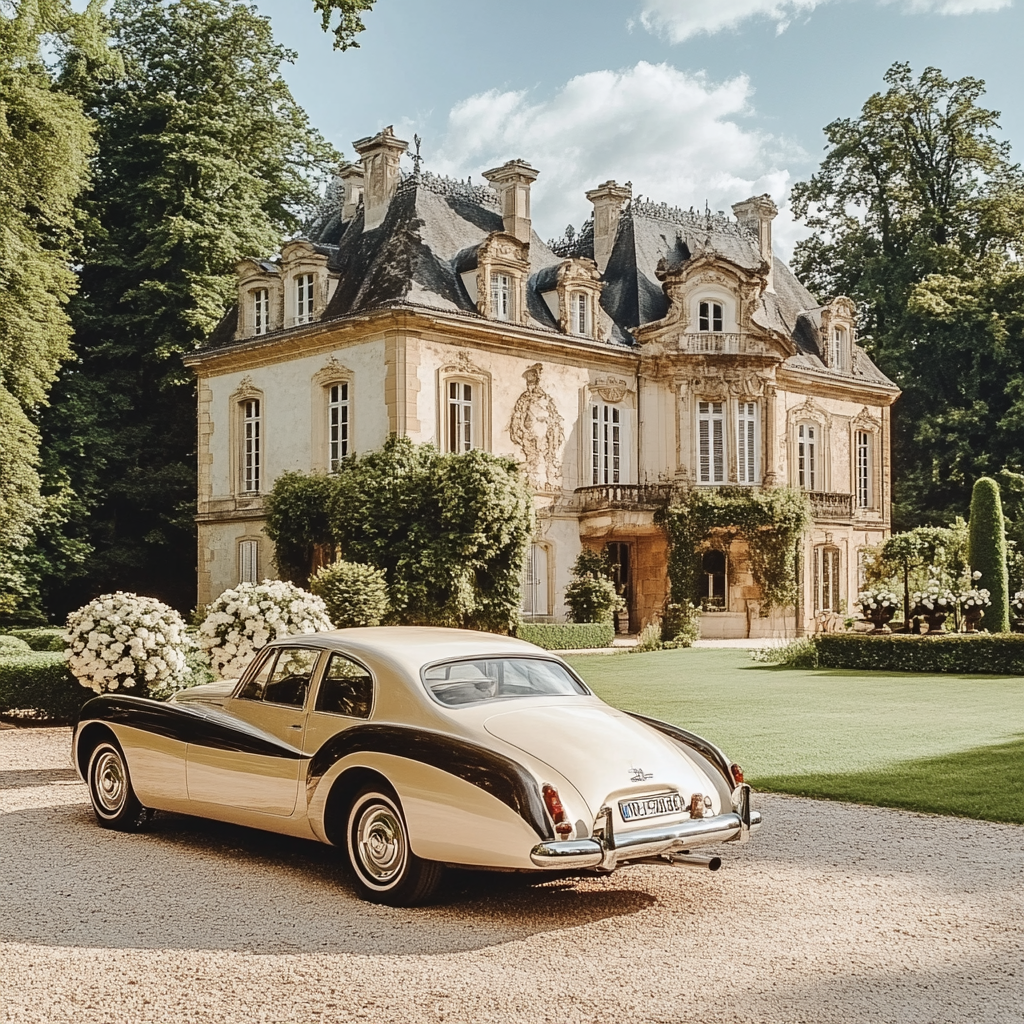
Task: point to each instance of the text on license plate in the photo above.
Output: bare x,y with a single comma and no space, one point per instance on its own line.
651,806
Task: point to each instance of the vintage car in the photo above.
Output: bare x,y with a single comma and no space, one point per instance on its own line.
412,748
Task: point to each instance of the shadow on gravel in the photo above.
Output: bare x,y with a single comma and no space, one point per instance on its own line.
36,777
189,883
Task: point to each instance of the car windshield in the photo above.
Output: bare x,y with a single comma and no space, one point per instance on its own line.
469,682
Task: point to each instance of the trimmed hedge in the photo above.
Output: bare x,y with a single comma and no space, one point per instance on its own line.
980,653
38,685
12,645
568,636
41,638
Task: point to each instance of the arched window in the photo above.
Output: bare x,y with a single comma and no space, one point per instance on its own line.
807,457
709,316
711,594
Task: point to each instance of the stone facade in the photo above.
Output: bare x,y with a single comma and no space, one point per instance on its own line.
659,350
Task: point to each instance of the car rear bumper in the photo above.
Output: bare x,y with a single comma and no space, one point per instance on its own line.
608,850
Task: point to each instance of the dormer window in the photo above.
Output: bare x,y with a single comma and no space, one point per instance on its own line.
501,296
304,299
260,311
581,314
709,317
838,349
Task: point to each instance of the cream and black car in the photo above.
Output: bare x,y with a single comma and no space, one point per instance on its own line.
412,748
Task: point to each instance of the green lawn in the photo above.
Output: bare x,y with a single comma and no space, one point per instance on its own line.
946,744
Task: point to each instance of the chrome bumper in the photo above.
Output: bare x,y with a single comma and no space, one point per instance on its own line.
607,850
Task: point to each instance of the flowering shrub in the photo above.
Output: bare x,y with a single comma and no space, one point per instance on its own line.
1017,604
970,599
242,620
126,642
936,597
872,599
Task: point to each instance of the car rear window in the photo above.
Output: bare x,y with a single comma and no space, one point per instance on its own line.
470,682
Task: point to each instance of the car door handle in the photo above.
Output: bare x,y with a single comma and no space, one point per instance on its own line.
299,726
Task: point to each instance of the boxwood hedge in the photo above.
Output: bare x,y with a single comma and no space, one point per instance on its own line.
567,636
999,654
38,685
41,638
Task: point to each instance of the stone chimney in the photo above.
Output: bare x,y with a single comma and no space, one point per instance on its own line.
380,155
756,215
351,176
608,200
512,182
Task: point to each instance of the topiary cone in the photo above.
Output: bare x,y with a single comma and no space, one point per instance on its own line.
987,552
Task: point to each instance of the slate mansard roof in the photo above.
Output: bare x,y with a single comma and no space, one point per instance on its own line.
435,225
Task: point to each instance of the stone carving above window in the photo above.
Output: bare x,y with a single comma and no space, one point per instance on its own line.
611,389
332,371
716,384
537,429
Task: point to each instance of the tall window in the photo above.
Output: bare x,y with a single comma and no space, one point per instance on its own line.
826,578
248,561
337,424
251,443
709,317
580,314
807,456
711,442
837,350
304,299
746,442
711,585
501,296
863,455
461,433
605,444
260,311
535,582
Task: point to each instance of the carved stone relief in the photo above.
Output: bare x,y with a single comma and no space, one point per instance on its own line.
536,427
332,371
718,384
611,389
461,363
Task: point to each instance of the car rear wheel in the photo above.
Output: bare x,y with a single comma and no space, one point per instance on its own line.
110,787
386,869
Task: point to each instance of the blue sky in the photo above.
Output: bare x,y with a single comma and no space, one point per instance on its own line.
690,100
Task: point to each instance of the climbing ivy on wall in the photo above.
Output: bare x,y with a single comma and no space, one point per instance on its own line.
770,521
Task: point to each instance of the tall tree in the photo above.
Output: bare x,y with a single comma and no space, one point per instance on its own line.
203,157
45,144
918,214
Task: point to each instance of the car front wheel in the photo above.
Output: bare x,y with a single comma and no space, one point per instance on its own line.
110,787
386,869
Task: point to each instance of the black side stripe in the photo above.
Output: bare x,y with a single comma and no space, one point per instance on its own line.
494,773
203,726
690,739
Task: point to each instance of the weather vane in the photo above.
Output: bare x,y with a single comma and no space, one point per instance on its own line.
417,159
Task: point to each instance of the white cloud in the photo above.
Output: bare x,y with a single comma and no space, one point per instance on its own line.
681,19
675,135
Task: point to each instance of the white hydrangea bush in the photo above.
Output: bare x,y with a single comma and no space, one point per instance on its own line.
126,642
246,618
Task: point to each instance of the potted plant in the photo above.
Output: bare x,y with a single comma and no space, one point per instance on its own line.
878,606
973,603
1017,607
934,604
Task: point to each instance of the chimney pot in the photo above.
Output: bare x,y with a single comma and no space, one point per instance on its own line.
380,155
608,200
512,182
351,176
756,215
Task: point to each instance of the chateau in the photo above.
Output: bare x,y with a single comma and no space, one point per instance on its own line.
656,351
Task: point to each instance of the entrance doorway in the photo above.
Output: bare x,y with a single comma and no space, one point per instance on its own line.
619,556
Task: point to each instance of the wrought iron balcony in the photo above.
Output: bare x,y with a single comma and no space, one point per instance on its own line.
623,496
826,505
716,343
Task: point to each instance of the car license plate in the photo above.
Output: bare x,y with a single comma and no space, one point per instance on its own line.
650,806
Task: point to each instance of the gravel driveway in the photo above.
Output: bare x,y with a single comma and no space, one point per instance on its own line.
834,913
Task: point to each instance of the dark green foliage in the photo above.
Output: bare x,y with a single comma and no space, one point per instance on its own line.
37,684
680,625
1001,654
591,594
41,638
567,636
918,215
350,22
771,522
355,595
12,645
449,531
987,552
204,158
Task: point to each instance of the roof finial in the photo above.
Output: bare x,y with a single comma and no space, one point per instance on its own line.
417,159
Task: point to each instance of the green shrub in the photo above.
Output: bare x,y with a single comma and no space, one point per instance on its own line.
355,594
591,594
567,636
12,645
799,653
680,625
41,638
39,685
1000,654
649,639
987,552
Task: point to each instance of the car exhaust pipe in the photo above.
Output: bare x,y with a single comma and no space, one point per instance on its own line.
688,860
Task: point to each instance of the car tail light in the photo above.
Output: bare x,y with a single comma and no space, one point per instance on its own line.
737,773
553,802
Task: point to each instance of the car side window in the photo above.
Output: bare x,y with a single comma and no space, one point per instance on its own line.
289,682
346,689
255,687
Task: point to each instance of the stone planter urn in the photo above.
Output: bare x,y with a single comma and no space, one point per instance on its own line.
935,619
972,616
880,619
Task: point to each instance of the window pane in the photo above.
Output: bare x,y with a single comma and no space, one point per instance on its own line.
346,689
716,319
470,682
290,679
704,318
863,469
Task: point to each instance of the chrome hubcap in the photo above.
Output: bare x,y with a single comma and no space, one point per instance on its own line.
109,782
380,841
